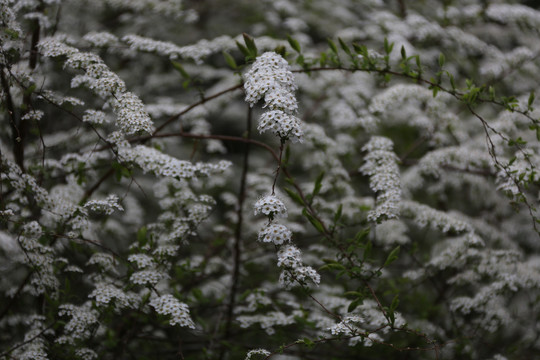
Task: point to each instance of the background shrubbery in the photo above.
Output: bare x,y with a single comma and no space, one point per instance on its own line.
140,201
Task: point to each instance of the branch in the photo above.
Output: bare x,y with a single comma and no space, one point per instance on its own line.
238,234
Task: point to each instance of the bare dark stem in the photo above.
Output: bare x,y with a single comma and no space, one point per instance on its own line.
18,149
278,166
238,234
189,108
402,8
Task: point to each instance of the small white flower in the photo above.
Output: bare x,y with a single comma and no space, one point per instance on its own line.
169,305
270,206
275,233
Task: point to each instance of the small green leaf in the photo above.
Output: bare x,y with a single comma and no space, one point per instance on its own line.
392,256
230,60
395,303
180,69
29,90
294,44
531,99
442,60
250,43
294,196
332,45
344,47
367,250
318,184
361,235
316,223
242,49
417,59
354,304
141,236
338,213
403,53
388,47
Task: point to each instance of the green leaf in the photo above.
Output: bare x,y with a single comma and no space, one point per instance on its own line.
442,60
294,196
318,184
531,100
392,256
388,47
344,47
180,69
294,44
323,59
403,53
338,213
417,59
141,236
316,223
354,304
367,250
242,49
29,90
395,303
230,60
361,235
198,294
332,45
250,43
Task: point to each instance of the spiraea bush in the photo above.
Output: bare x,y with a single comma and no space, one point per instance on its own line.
323,179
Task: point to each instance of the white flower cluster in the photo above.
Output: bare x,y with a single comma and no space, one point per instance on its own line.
147,276
101,39
261,352
426,216
289,256
254,300
86,354
82,319
10,29
142,260
456,157
131,115
381,165
170,8
95,117
105,261
271,77
104,293
152,160
275,233
106,206
514,13
169,305
270,206
35,115
269,320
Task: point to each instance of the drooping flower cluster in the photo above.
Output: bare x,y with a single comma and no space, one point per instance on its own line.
270,77
131,115
381,166
289,256
169,305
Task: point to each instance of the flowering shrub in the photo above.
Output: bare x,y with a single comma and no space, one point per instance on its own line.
323,179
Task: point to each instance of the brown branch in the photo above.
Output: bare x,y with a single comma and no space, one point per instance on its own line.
16,133
238,235
190,107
